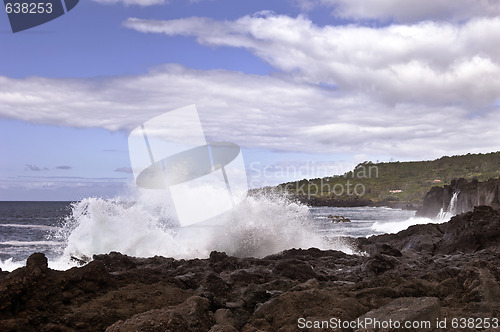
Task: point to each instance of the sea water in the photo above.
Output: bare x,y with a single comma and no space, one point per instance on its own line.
145,226
26,227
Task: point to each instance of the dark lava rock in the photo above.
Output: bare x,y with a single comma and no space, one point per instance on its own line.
417,239
468,232
37,261
380,263
37,264
115,261
294,269
384,249
472,231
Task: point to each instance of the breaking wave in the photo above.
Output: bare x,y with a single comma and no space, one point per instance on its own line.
146,226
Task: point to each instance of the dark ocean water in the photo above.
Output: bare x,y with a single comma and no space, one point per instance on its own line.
27,227
365,221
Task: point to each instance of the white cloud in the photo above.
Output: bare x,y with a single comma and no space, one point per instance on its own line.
408,91
407,10
430,63
268,112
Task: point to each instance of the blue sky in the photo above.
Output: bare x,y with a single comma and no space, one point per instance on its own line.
311,84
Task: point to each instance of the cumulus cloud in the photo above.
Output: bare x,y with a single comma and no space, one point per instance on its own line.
429,63
409,91
269,112
407,10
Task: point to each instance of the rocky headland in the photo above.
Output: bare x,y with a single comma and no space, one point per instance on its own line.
425,273
469,195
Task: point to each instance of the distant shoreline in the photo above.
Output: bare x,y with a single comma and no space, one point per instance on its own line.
353,202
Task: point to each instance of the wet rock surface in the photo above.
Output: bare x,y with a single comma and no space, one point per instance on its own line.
427,272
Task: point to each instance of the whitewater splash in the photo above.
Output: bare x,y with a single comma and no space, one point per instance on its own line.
144,226
451,210
442,217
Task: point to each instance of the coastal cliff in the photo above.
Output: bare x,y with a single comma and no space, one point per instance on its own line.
468,195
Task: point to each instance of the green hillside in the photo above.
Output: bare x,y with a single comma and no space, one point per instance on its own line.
397,181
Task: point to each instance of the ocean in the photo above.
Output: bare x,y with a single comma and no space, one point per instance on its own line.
27,227
259,227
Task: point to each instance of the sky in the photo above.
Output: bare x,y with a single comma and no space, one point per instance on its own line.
312,87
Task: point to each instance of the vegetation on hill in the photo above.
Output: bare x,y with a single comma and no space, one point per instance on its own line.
397,181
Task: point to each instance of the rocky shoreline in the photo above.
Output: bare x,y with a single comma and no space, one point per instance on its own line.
425,273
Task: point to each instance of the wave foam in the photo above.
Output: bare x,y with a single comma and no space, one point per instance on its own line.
41,227
146,227
397,226
10,265
30,243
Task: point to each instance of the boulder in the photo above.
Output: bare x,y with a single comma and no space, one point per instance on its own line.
37,264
